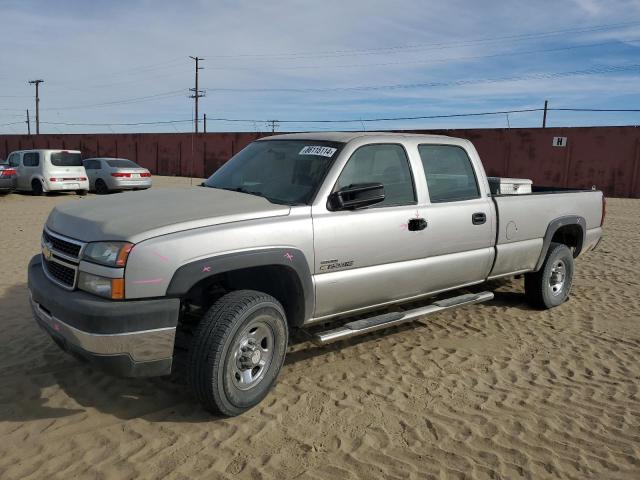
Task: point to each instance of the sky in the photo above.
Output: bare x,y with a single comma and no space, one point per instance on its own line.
124,66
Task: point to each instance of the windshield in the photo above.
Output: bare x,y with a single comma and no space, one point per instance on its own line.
282,171
66,159
122,163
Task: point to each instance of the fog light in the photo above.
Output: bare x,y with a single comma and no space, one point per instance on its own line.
105,287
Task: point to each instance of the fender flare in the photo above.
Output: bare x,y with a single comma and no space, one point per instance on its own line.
553,227
186,276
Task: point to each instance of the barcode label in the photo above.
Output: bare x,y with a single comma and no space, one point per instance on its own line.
318,150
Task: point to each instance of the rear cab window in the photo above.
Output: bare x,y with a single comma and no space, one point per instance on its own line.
387,164
449,173
66,159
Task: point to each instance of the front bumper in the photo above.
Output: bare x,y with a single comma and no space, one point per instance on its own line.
126,338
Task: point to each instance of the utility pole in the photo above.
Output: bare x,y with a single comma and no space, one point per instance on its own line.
37,84
28,123
197,93
274,125
544,116
205,123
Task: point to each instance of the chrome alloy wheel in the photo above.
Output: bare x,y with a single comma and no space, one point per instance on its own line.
557,277
252,354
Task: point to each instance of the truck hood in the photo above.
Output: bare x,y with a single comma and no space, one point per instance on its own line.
137,216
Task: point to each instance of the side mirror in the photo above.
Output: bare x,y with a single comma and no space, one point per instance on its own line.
356,196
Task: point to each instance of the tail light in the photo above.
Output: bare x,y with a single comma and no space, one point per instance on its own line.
9,172
604,209
121,175
53,179
145,174
83,179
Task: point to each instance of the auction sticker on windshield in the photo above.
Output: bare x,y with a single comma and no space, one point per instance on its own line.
318,150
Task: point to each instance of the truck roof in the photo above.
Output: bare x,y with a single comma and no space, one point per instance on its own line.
345,137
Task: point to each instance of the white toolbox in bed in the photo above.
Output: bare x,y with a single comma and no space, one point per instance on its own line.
509,186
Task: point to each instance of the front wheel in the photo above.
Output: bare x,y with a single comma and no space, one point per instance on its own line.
550,286
237,352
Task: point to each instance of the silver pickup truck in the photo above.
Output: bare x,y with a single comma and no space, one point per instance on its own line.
294,232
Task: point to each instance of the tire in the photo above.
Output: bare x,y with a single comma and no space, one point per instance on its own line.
82,193
36,188
225,371
101,187
551,285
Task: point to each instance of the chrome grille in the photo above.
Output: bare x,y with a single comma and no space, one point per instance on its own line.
60,258
61,245
60,272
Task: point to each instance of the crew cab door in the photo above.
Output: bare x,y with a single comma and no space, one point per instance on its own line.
458,246
364,257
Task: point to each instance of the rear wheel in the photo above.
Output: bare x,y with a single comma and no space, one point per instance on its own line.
550,286
36,187
101,187
237,352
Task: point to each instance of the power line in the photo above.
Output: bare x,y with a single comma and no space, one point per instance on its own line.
428,61
352,120
125,101
601,69
462,43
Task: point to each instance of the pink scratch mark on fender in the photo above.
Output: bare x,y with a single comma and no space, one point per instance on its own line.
148,281
206,269
160,256
288,256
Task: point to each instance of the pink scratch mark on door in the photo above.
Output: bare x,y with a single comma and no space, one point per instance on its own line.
148,281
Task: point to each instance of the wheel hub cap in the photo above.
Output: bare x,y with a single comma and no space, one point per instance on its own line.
557,277
253,352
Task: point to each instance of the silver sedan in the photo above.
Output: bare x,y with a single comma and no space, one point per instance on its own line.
115,174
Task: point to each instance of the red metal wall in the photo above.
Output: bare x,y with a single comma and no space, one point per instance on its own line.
608,157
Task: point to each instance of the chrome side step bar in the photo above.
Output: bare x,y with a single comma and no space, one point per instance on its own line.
371,324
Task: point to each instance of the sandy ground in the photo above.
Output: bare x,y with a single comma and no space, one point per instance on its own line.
489,391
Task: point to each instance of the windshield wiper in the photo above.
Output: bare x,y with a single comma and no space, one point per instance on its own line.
257,194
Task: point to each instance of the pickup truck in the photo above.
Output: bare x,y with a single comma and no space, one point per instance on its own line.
297,231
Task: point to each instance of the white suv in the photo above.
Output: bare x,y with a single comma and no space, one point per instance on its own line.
41,171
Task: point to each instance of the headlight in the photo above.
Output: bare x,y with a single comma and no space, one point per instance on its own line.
105,287
111,254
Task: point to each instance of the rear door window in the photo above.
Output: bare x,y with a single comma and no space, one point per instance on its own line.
449,172
66,159
31,159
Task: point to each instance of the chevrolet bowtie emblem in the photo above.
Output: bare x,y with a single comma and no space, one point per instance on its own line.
46,252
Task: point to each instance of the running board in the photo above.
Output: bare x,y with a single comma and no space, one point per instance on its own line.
371,324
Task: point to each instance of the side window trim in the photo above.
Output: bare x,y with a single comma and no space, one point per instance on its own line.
473,171
407,160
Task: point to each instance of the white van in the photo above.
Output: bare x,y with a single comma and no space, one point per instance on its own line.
41,171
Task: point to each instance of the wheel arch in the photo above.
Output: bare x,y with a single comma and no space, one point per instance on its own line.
569,230
281,272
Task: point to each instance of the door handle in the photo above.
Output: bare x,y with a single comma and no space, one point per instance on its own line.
479,218
416,224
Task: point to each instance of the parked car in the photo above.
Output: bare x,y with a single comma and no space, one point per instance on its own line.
294,232
116,174
7,177
42,171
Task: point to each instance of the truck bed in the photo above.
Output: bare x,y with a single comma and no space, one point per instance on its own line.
523,221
